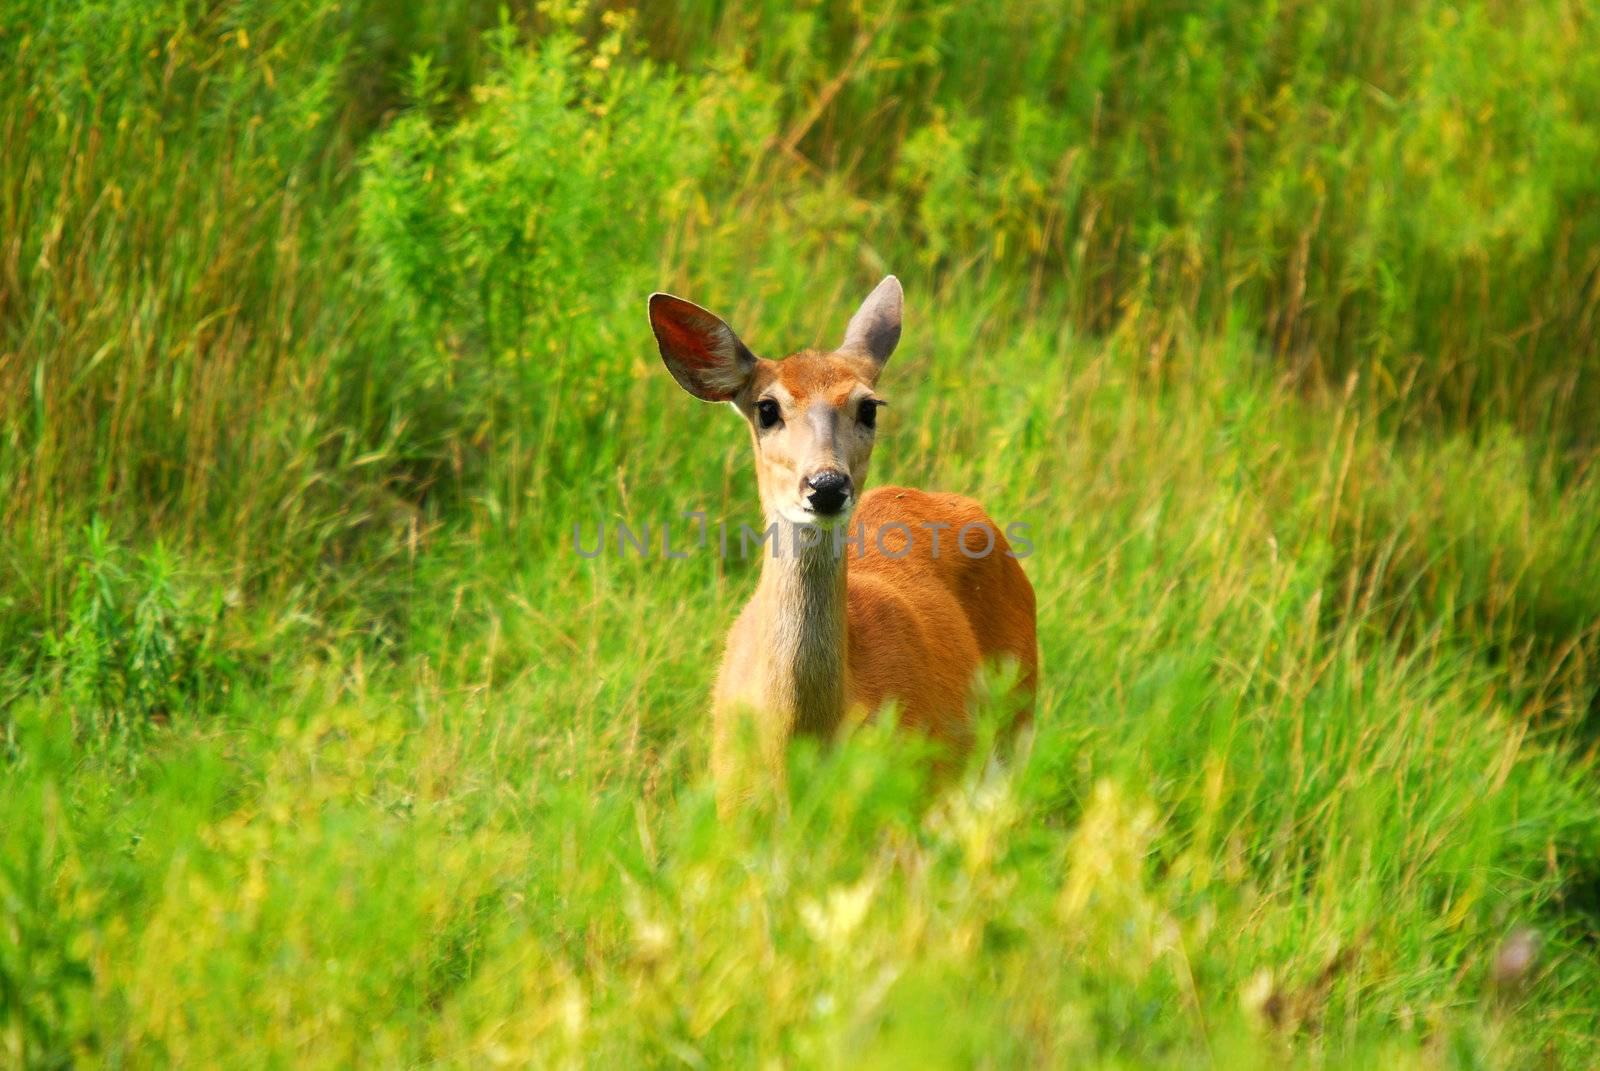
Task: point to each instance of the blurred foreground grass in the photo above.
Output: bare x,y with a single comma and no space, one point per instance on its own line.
321,325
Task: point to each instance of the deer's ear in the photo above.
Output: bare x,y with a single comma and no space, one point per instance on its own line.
874,330
702,353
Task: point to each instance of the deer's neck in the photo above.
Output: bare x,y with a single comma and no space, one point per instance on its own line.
802,592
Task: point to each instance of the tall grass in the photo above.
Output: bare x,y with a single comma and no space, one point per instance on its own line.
321,324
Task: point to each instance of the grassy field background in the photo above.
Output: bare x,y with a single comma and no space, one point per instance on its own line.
322,323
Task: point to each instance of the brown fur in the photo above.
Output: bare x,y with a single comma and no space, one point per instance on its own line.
919,626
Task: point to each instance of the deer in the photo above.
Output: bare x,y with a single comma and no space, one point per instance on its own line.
898,608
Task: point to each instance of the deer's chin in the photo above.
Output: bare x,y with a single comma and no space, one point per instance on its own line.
806,515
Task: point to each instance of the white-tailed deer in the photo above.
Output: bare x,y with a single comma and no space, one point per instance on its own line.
903,606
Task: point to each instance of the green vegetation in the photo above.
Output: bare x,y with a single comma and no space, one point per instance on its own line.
321,324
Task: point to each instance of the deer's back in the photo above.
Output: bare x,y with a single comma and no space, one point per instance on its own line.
924,614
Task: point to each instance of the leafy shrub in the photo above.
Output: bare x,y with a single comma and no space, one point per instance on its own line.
138,645
510,241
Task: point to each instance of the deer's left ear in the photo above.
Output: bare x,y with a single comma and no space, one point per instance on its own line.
702,353
874,330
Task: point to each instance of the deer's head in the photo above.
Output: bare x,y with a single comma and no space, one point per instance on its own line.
812,415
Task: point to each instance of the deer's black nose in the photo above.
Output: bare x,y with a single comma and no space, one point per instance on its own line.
829,491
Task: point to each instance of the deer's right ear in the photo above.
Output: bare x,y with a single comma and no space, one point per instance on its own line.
702,353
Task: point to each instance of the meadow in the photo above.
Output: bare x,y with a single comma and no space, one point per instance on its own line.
322,323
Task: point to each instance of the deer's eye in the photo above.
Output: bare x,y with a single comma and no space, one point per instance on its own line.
766,412
867,414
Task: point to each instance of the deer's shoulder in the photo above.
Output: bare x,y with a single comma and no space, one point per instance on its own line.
911,506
